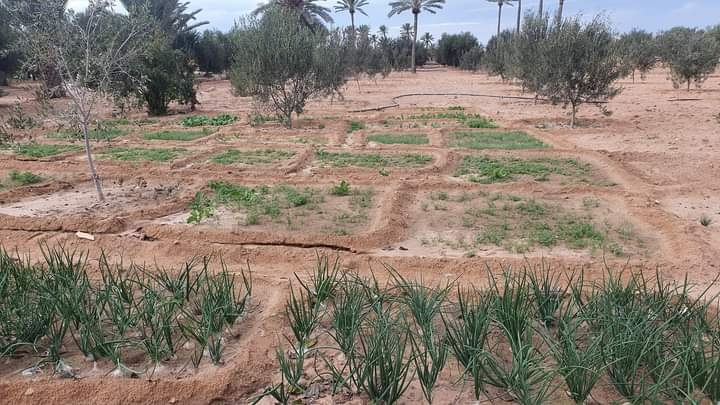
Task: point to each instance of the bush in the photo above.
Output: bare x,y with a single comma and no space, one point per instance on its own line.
690,53
341,189
451,47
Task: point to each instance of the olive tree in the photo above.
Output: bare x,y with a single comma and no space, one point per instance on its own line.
638,51
580,64
500,55
528,47
690,53
35,23
283,63
90,52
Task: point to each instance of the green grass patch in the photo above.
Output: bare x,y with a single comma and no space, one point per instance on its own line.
355,126
373,160
36,150
401,139
95,134
481,122
252,157
17,178
483,169
177,135
495,140
201,120
140,154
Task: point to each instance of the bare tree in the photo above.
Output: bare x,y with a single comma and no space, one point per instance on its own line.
92,50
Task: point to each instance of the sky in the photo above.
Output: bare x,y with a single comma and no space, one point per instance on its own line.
480,16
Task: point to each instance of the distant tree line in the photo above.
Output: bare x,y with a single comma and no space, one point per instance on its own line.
543,54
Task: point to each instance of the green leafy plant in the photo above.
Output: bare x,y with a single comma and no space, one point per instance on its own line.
355,126
201,208
341,189
200,120
467,333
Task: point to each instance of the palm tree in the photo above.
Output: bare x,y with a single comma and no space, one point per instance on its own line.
500,4
406,31
427,40
383,31
415,6
313,14
560,11
540,8
351,6
517,30
172,15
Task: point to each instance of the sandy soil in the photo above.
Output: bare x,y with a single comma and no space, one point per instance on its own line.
654,165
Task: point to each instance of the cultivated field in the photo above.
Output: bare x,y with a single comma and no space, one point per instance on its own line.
442,187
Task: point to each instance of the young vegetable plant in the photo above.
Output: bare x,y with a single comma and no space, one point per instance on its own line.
302,313
324,280
547,293
467,333
382,368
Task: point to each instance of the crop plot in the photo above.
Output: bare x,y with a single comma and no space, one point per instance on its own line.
495,140
95,134
283,208
486,170
125,196
38,150
468,221
398,139
142,154
373,160
252,157
183,136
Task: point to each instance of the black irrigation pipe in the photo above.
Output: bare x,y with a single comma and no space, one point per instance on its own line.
395,103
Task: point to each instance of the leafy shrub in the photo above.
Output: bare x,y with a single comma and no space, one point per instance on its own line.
341,189
201,208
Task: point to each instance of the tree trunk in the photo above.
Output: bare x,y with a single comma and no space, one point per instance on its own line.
572,119
352,22
499,16
414,41
517,30
91,164
560,11
688,85
540,8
